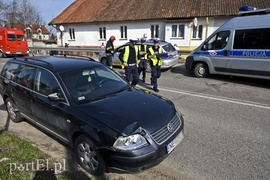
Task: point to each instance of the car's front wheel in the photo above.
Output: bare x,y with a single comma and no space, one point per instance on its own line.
13,112
201,70
88,157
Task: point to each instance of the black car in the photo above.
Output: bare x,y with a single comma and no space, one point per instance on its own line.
112,126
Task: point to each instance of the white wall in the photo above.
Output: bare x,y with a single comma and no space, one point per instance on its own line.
88,34
214,23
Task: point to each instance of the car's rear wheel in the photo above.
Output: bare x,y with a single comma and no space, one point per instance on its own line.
201,70
1,54
104,61
13,112
88,157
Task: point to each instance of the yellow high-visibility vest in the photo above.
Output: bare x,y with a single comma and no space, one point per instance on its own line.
145,49
154,59
126,54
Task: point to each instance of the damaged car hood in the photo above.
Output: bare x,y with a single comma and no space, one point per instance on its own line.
130,110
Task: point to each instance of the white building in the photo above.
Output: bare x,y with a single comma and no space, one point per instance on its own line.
88,23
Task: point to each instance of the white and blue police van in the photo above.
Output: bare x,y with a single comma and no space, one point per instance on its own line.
240,47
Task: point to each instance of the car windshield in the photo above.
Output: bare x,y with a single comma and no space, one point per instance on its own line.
168,47
93,83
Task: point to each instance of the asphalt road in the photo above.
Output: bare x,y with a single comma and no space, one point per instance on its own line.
227,125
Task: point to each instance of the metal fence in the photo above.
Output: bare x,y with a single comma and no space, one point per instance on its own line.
91,52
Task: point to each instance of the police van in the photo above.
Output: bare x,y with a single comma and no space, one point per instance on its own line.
240,47
12,42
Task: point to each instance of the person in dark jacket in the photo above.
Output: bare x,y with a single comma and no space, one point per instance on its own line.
143,60
110,51
154,53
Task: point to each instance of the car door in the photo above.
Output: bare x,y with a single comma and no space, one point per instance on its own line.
22,87
51,115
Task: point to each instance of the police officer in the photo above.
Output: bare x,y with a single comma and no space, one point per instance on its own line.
143,59
155,62
110,51
130,57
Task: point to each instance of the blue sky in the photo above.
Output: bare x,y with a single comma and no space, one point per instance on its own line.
49,9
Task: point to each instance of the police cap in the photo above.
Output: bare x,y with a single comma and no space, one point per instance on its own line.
156,40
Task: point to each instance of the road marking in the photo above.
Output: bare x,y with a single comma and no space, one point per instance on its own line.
235,101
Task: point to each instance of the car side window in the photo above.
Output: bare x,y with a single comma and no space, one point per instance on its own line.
25,76
10,70
45,83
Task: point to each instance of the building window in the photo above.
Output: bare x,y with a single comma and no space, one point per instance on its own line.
123,30
154,31
102,33
178,31
197,32
72,33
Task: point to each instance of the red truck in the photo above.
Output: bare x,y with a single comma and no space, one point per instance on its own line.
12,42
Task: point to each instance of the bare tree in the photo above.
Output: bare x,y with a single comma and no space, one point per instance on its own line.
21,11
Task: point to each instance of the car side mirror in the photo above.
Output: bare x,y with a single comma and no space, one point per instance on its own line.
55,97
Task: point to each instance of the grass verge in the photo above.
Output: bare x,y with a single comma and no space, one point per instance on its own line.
19,159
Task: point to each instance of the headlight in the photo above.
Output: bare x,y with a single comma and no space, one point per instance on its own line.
130,142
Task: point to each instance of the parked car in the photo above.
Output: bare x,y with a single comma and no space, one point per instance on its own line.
167,63
112,126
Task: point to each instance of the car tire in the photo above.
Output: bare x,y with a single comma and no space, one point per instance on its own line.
13,112
104,61
1,54
201,70
88,157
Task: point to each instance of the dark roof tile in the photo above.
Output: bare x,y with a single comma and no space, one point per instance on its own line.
93,11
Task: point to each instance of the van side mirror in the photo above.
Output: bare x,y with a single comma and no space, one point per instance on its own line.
204,48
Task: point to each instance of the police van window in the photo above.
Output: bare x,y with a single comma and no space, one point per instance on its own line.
218,41
25,76
45,83
10,70
252,39
11,37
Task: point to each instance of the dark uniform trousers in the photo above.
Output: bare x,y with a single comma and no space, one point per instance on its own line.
109,60
132,70
155,74
142,68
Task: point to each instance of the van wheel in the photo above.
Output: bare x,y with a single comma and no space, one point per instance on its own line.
1,54
88,157
201,70
104,61
13,112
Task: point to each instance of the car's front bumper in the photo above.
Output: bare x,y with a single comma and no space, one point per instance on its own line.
141,159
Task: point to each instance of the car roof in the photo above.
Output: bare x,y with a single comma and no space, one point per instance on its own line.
57,63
